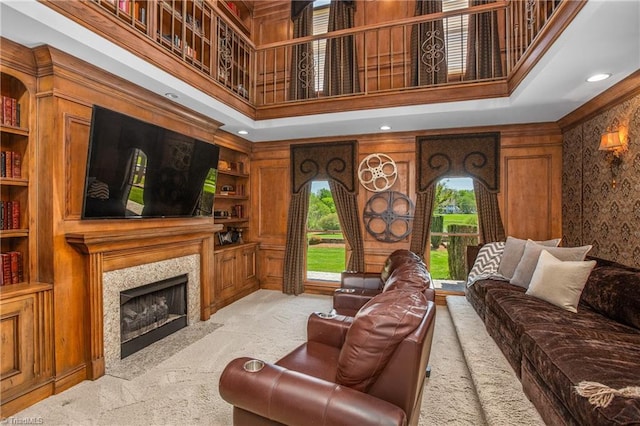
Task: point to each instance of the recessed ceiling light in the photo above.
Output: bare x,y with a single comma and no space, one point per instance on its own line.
243,132
171,95
598,77
385,127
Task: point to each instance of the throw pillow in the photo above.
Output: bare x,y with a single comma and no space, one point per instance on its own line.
487,262
524,270
560,283
513,250
377,329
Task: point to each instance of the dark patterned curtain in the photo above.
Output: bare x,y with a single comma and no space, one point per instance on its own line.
475,155
296,244
335,162
428,53
347,209
341,67
425,202
483,45
301,85
489,219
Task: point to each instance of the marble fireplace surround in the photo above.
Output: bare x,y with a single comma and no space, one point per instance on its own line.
127,251
114,282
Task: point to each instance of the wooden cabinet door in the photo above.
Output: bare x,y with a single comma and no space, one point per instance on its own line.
17,337
248,266
225,274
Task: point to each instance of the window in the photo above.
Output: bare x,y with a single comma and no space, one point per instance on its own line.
320,26
454,226
456,30
326,248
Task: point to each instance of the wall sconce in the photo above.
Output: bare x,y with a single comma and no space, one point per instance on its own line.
614,147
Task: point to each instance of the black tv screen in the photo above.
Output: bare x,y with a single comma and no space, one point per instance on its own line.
139,170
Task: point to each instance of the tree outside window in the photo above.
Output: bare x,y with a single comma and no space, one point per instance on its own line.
454,226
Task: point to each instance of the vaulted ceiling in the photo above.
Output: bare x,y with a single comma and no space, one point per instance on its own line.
603,37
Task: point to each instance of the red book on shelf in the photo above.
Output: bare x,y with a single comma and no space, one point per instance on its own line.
8,220
15,266
20,270
2,109
14,112
17,165
15,214
5,214
2,222
123,5
6,107
8,168
6,268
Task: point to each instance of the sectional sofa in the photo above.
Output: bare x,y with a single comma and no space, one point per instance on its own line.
578,368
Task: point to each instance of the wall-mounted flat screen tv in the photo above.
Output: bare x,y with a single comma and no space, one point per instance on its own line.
140,170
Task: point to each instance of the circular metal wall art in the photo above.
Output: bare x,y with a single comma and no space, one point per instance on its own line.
387,216
377,172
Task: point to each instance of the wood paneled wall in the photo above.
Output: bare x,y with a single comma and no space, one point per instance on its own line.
67,88
530,196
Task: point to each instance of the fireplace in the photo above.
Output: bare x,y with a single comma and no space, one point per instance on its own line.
151,312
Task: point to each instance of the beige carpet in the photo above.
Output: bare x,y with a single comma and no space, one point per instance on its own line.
183,389
499,390
144,360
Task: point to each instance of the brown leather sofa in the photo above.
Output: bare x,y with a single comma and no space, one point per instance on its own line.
362,370
402,269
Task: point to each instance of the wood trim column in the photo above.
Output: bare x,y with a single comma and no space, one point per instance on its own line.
95,315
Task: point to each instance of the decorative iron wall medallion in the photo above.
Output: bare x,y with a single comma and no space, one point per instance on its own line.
388,216
377,172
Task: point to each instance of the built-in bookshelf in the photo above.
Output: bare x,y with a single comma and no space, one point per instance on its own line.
133,12
235,255
14,181
231,201
25,303
212,36
237,12
184,28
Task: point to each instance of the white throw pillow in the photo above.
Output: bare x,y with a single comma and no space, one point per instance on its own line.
487,262
513,250
524,270
560,282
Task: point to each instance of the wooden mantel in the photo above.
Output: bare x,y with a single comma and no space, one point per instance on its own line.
117,249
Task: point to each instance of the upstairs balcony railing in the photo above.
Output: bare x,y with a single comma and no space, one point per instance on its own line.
482,43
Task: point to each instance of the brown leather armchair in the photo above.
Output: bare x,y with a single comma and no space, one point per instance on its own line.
402,269
368,369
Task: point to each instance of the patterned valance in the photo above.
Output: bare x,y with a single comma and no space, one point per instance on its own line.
334,161
474,155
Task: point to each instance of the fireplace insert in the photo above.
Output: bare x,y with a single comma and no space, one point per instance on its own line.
152,312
